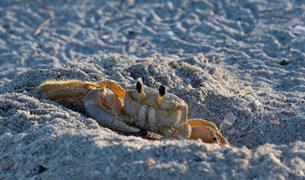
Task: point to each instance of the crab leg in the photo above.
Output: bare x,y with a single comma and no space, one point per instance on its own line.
117,89
60,89
206,131
199,129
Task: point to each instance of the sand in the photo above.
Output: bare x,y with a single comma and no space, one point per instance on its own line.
228,60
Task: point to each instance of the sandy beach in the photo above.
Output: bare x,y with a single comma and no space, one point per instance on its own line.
226,59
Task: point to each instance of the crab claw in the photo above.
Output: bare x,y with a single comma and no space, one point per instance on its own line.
105,104
99,107
106,119
206,131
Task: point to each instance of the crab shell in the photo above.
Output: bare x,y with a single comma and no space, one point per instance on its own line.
154,113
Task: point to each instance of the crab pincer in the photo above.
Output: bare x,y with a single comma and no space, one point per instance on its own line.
104,110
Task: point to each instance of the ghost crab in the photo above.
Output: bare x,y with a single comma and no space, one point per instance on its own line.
132,110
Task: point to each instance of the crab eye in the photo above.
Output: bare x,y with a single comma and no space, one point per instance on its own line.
138,94
162,90
139,86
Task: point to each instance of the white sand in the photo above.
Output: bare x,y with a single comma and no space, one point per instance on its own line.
235,47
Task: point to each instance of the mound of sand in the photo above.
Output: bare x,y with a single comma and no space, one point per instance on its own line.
40,138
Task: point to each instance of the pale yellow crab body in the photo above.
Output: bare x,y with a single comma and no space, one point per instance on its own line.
132,110
153,113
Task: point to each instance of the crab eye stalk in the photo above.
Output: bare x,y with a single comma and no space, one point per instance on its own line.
162,90
139,87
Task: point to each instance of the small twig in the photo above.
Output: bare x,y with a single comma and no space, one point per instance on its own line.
45,23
